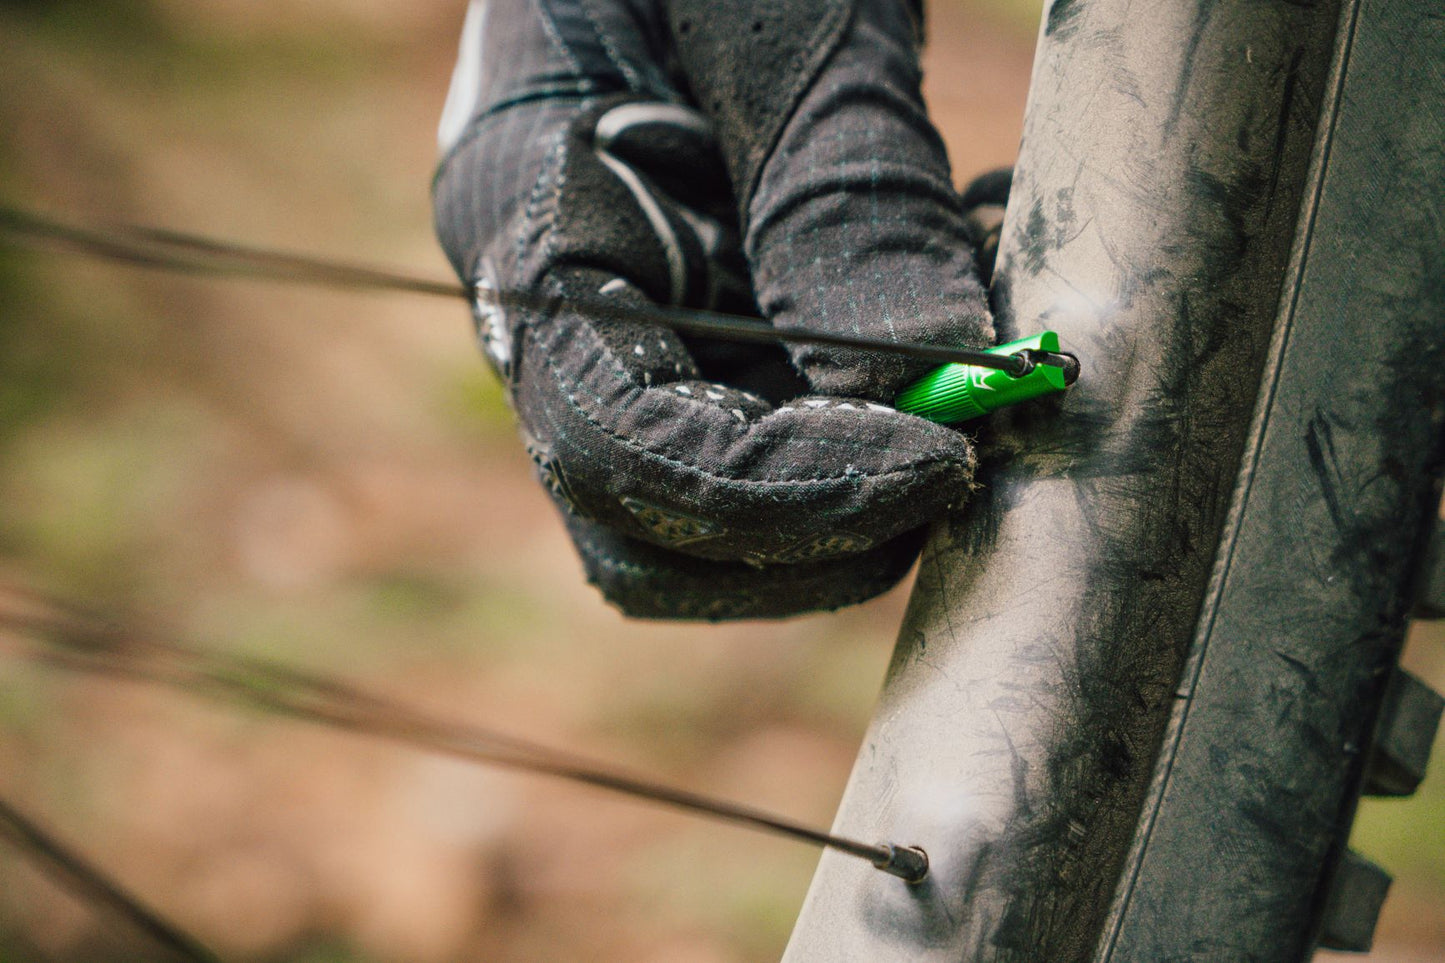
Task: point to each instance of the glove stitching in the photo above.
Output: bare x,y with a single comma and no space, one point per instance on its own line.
555,35
582,89
653,573
571,400
554,159
552,228
631,569
651,579
639,570
609,46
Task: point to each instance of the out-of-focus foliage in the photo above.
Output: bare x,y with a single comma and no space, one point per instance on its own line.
1407,836
333,480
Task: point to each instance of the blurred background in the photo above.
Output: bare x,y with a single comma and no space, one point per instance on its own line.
333,480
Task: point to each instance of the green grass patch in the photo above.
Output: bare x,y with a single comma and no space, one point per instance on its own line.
471,403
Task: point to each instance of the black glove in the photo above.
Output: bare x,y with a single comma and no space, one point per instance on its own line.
674,151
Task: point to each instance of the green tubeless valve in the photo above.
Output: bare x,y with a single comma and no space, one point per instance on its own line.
958,392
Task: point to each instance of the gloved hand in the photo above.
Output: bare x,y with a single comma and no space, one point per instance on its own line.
704,153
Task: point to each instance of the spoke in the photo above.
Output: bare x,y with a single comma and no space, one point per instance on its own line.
90,884
194,254
79,641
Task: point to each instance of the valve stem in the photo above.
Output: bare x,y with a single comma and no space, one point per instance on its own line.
908,863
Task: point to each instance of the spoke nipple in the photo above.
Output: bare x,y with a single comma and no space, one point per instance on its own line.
1070,363
908,863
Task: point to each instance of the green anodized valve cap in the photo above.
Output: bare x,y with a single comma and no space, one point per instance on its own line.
959,392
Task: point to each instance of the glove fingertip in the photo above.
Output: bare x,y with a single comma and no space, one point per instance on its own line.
647,582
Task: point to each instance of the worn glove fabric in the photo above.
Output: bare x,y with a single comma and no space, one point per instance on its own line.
729,154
